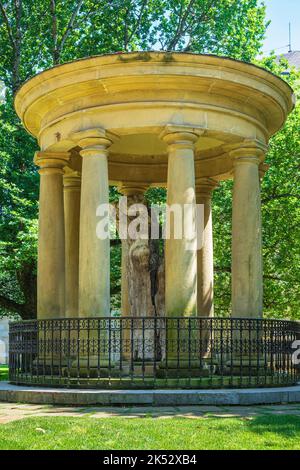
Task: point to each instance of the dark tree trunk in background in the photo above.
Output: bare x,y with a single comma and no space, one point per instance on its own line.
26,278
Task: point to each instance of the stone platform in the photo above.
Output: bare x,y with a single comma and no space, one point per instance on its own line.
43,395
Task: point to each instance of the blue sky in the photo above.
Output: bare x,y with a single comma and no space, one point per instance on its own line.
281,12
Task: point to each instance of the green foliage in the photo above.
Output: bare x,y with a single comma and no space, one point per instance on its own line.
221,209
225,27
115,276
41,34
3,373
18,212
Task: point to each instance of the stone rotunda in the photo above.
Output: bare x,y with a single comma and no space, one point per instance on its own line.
149,119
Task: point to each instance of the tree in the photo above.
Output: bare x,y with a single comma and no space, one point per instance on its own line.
35,35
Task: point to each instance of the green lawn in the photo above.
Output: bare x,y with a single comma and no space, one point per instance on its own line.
3,372
260,432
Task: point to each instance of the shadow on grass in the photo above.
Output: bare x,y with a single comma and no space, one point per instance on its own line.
287,426
87,433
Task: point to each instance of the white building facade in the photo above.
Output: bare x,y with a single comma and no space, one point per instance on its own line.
4,341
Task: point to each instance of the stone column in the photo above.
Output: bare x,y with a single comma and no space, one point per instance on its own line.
51,245
94,253
247,276
205,258
180,254
72,185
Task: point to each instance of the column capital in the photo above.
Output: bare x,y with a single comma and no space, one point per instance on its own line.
205,186
130,189
51,162
249,151
181,136
72,180
93,140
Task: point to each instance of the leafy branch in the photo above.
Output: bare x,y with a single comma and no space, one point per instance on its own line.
15,38
58,46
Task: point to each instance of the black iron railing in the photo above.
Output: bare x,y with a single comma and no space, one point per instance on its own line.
154,352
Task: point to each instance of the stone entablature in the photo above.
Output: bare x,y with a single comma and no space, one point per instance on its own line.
135,96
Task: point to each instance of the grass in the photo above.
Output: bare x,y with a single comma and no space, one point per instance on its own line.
3,372
263,432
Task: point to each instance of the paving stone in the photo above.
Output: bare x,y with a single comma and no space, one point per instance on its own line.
13,412
69,397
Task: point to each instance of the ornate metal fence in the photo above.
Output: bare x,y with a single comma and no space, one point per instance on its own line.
154,352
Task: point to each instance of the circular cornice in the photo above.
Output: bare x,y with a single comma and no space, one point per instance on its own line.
203,80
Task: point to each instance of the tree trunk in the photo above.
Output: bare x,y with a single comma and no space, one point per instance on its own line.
144,282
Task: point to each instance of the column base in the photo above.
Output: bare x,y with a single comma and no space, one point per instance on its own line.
245,366
51,362
184,368
92,367
93,361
